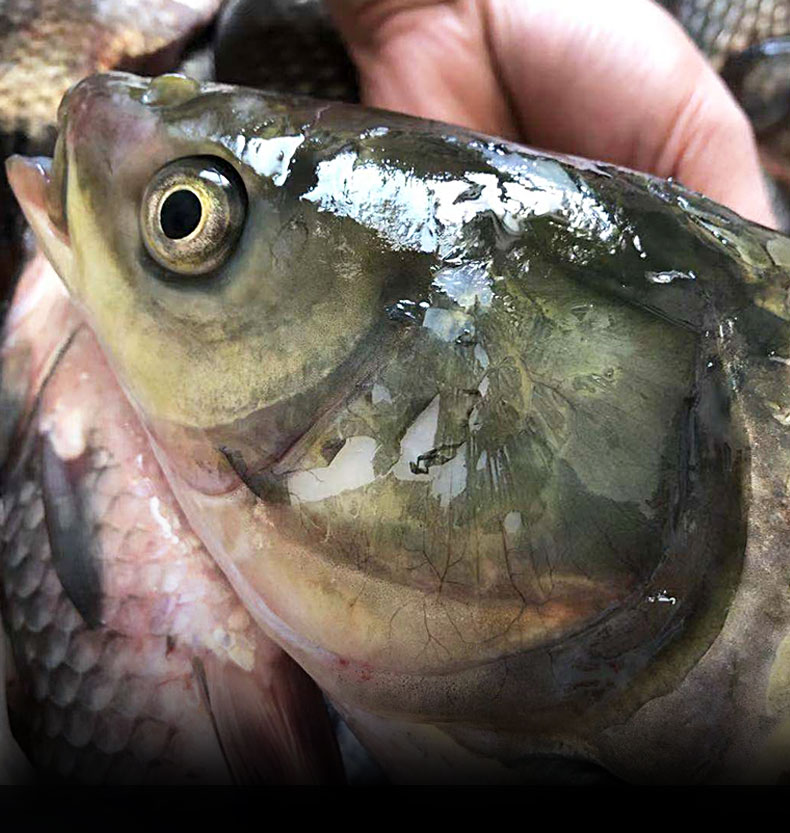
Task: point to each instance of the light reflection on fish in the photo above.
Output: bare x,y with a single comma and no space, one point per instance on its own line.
289,46
422,398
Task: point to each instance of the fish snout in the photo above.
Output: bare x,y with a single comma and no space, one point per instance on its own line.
96,117
104,110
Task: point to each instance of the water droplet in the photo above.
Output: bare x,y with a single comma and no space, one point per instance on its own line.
669,276
169,89
662,597
404,312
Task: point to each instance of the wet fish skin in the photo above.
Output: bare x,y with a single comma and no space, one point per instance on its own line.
51,45
137,687
614,343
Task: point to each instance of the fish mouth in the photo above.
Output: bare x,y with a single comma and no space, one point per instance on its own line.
31,180
39,182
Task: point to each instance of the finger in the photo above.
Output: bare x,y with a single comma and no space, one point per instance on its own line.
616,80
620,80
428,59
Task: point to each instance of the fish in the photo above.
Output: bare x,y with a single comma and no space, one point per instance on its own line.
304,53
134,662
491,442
49,46
725,29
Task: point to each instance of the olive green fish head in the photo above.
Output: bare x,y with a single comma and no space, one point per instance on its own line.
218,289
463,423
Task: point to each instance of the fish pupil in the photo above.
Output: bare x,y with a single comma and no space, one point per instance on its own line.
180,214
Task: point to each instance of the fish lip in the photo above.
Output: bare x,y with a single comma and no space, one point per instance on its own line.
40,182
31,181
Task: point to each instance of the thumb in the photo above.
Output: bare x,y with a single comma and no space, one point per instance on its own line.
621,81
427,58
616,80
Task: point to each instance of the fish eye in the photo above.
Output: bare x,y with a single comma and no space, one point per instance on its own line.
192,214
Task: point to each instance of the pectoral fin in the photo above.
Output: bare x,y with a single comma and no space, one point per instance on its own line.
70,536
271,721
14,767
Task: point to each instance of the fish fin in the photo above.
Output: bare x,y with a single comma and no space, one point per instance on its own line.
271,721
14,766
70,540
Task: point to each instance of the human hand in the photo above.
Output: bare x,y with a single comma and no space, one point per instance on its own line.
615,80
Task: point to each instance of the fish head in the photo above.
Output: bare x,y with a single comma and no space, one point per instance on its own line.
222,299
451,415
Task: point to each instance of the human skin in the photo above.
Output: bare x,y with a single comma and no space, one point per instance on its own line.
616,80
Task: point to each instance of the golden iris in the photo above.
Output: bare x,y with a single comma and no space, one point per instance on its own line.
192,214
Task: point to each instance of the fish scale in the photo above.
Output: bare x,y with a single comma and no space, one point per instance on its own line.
120,703
47,45
100,710
736,36
132,698
724,27
304,53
